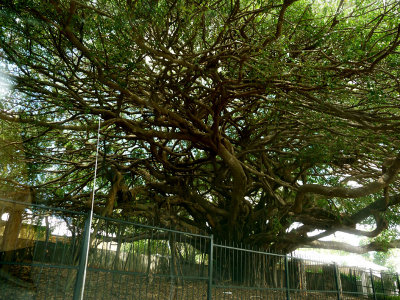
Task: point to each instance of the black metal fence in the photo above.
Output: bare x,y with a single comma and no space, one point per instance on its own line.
41,248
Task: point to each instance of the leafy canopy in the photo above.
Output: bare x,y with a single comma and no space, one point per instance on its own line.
242,118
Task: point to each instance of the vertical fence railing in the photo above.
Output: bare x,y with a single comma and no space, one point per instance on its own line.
398,283
287,278
80,277
337,281
382,284
373,284
210,268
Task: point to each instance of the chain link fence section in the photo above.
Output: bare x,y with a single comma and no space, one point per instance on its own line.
41,248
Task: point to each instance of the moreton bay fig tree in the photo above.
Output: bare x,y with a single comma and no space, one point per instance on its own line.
257,121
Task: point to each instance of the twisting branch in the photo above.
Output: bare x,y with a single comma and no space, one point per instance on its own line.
373,246
383,181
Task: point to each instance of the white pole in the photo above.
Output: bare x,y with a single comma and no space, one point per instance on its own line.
91,212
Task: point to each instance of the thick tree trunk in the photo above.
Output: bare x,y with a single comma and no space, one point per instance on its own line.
11,230
239,182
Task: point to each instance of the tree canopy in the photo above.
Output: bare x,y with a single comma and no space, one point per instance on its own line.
257,121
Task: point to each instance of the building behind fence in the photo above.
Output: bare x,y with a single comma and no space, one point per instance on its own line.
135,261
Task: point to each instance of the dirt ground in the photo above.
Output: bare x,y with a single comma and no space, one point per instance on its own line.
24,282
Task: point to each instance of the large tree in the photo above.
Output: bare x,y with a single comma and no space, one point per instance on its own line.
257,121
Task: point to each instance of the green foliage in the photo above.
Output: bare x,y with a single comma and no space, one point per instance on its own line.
215,113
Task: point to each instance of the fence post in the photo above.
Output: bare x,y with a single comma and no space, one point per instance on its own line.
287,278
372,283
337,280
81,276
210,268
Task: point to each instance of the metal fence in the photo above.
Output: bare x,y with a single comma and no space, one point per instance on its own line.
41,248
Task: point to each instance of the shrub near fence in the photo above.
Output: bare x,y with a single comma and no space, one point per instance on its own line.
130,260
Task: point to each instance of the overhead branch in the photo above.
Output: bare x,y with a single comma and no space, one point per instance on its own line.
279,25
373,246
51,125
341,192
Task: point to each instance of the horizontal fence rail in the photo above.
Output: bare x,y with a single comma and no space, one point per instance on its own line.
41,250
